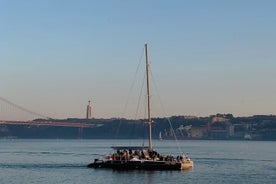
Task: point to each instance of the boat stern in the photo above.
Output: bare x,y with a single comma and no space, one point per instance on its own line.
187,164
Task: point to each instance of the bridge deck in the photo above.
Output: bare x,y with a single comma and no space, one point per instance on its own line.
47,123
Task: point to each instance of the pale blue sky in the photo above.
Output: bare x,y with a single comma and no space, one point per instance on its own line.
208,56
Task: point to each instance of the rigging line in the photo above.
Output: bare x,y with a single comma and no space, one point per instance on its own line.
133,82
139,102
23,109
129,93
165,112
139,99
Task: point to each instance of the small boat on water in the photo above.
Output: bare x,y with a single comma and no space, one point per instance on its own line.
140,157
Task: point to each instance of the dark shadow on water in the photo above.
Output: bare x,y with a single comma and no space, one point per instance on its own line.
41,166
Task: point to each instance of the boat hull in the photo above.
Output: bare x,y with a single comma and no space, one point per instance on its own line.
139,165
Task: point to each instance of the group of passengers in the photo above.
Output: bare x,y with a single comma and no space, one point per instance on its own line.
141,155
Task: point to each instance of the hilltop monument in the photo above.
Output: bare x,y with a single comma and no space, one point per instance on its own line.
89,111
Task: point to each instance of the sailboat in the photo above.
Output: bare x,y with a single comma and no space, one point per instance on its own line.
160,136
142,157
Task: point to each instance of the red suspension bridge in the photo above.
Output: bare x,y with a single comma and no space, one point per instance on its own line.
8,109
47,123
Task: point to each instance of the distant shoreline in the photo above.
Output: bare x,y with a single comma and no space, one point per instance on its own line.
214,127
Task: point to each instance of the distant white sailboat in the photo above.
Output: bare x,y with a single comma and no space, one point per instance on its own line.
160,136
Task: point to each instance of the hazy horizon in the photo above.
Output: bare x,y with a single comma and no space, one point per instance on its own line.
207,57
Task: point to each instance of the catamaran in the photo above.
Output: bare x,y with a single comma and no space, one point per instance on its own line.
142,157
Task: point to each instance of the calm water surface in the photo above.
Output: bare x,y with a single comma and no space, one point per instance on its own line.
64,161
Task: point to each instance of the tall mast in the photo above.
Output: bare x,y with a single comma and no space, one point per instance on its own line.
148,95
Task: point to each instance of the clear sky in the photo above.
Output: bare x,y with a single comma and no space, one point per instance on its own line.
207,56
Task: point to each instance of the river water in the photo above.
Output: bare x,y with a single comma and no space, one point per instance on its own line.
64,161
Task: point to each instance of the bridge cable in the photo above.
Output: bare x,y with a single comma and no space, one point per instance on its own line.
23,109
